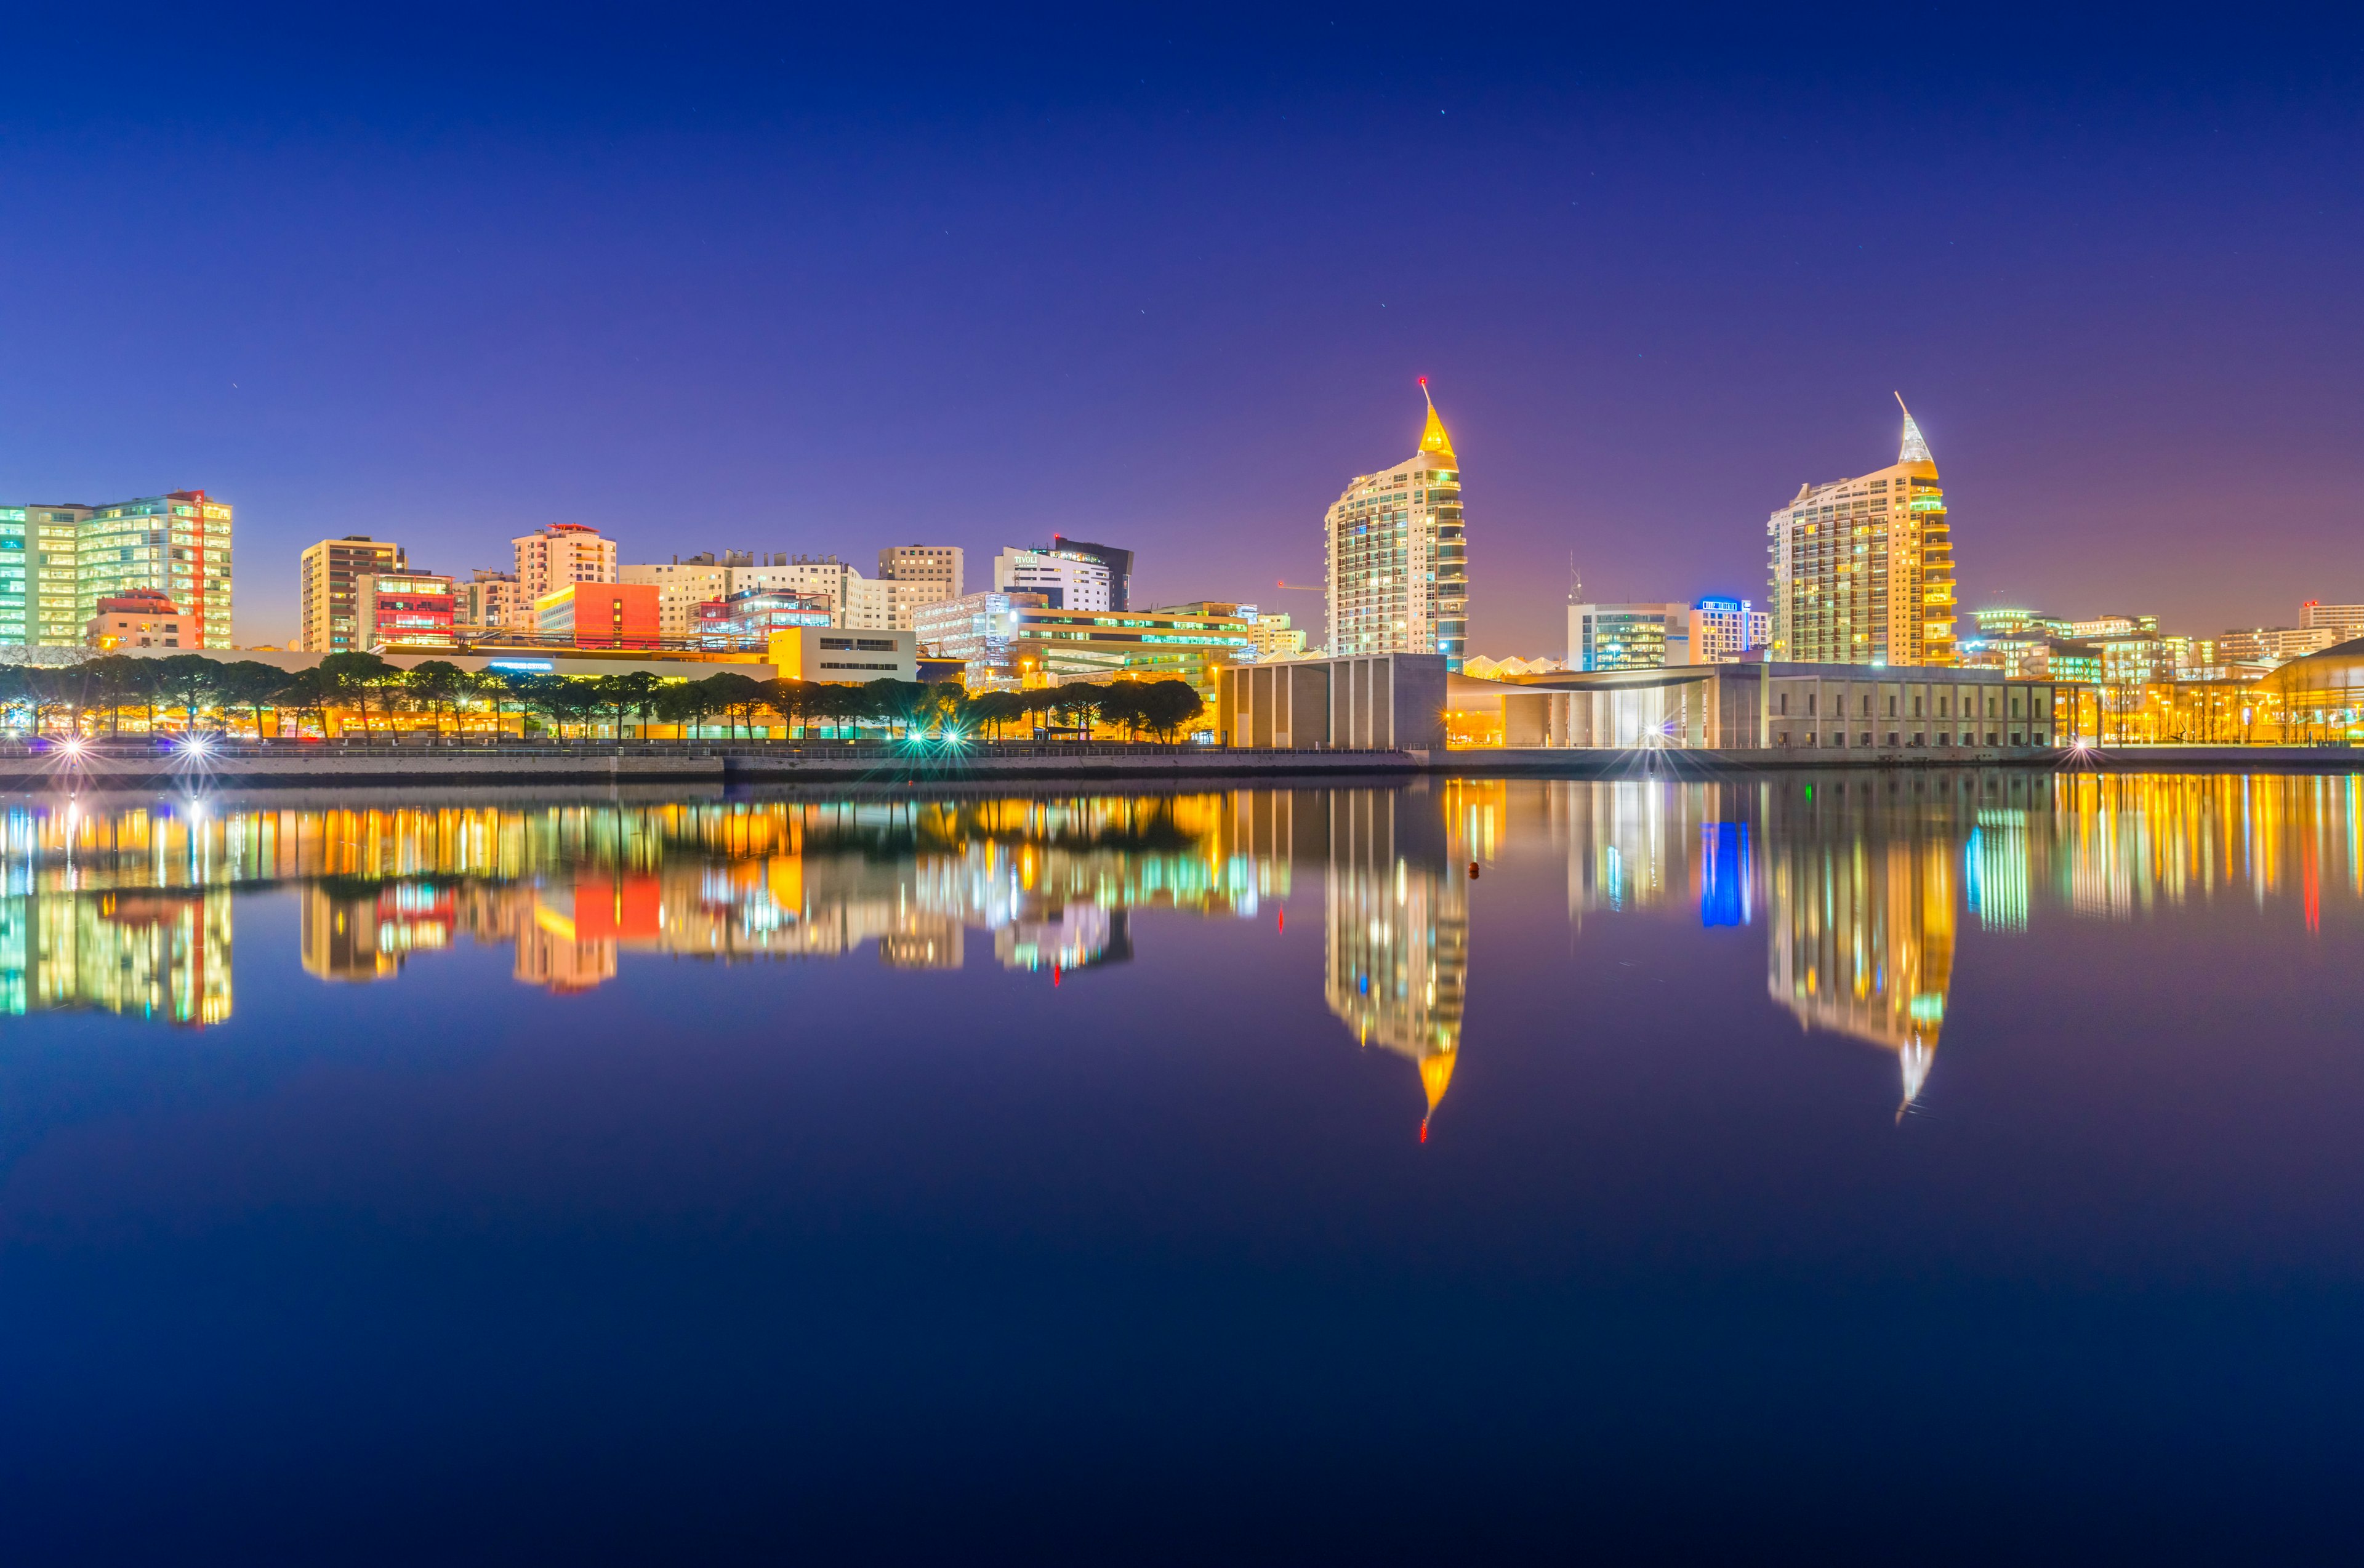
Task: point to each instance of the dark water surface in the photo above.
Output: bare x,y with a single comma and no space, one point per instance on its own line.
1932,1167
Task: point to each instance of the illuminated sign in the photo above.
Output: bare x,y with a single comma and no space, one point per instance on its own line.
543,664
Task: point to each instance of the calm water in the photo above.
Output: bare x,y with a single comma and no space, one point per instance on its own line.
1938,1166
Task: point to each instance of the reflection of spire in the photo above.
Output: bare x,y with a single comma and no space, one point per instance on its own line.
1435,1073
1862,940
1398,939
1915,446
1434,439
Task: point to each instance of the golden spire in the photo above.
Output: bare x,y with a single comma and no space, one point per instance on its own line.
1434,439
1435,1073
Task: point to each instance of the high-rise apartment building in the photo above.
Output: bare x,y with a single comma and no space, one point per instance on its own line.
918,576
1628,637
1397,569
1862,569
561,554
328,616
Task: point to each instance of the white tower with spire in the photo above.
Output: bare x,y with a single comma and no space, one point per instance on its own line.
1861,571
1398,571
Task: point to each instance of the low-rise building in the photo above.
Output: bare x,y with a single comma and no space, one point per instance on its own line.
599,615
2347,620
488,601
1628,637
1021,638
403,610
748,620
141,618
1275,639
1721,629
844,654
2273,645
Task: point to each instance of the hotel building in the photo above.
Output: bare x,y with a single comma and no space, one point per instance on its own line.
1862,569
1397,569
1066,582
1723,630
328,619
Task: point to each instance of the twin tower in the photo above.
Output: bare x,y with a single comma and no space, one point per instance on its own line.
1861,570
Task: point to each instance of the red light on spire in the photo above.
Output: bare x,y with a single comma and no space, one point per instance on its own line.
1423,381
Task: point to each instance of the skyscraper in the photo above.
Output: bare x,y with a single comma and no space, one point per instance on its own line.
1862,569
1398,577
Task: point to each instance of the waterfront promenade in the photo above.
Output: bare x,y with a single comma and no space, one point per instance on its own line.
332,764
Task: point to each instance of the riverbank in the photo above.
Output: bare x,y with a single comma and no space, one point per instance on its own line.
717,763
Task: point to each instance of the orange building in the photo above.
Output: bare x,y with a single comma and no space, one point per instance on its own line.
600,614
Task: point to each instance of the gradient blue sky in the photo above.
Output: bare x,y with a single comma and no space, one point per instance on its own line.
707,279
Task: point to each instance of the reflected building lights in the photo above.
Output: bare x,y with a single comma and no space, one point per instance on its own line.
1865,883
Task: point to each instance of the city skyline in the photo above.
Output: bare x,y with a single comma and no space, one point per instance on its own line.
1105,272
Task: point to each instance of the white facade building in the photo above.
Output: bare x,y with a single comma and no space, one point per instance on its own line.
559,554
1397,569
918,576
1721,629
1070,582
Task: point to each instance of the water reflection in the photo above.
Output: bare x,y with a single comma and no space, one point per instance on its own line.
1865,884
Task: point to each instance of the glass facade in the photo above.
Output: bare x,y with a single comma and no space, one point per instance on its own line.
57,561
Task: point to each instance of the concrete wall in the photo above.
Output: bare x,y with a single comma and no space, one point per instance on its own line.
1739,707
1382,701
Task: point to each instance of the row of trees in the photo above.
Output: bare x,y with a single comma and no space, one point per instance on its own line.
100,695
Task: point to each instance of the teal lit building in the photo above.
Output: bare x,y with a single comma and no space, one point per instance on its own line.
59,559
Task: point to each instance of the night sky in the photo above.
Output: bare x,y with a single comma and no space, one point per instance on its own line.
778,280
